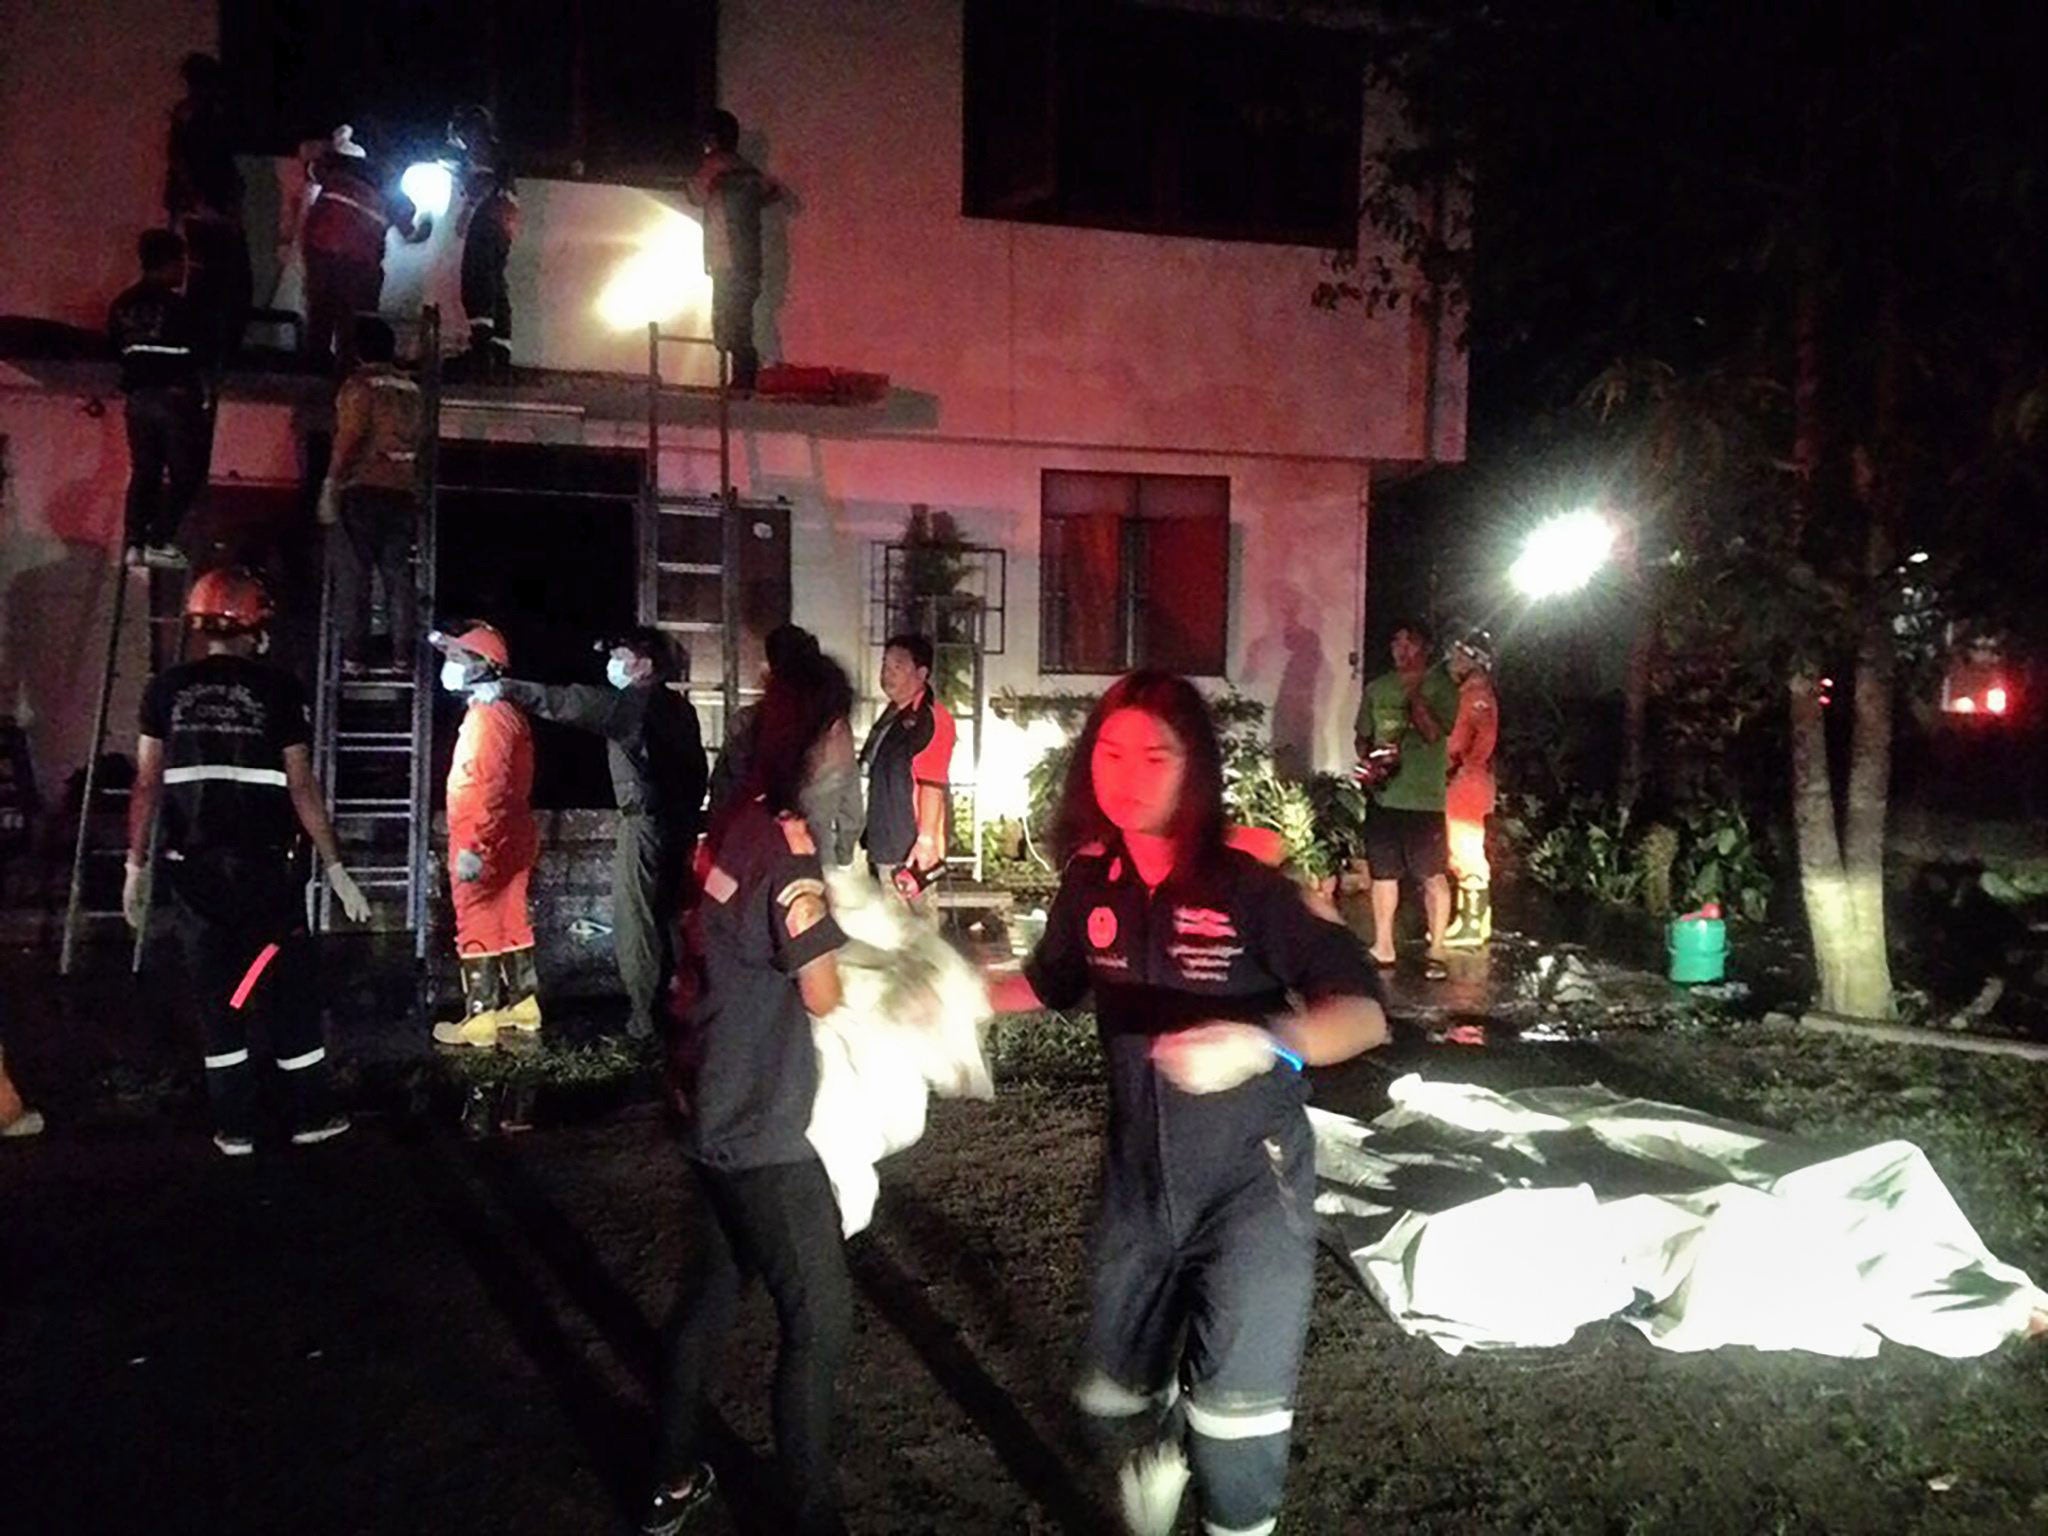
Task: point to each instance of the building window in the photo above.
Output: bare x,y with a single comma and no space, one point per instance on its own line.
1134,572
1142,117
581,88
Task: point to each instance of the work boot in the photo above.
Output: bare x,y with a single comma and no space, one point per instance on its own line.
483,996
522,985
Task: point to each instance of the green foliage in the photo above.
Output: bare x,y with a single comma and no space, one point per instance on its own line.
1045,1047
1720,859
1584,847
933,601
1585,851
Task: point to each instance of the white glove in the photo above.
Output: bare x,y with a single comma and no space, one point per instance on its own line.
469,865
354,904
135,894
1212,1058
489,691
329,508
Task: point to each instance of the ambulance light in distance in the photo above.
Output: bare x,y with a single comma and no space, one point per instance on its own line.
431,186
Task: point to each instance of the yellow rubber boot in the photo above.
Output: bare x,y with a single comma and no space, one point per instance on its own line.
483,993
522,986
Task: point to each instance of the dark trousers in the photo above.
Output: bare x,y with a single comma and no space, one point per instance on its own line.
732,323
239,919
338,288
1219,1306
486,300
220,287
376,533
167,453
782,1224
650,862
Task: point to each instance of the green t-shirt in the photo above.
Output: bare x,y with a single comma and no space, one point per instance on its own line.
1418,785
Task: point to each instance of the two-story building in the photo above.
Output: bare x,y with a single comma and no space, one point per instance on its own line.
1080,240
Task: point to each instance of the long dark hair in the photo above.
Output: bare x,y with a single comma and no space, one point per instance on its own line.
1177,704
801,704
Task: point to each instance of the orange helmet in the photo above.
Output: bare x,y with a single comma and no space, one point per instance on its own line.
474,639
228,600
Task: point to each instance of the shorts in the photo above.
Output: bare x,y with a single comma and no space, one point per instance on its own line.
1410,843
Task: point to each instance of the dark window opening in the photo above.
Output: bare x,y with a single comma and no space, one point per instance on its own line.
1141,117
581,88
1134,572
541,542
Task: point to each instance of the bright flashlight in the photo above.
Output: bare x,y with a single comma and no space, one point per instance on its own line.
1562,554
1994,700
430,185
662,277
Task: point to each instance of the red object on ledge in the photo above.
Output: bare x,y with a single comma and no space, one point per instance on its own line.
823,386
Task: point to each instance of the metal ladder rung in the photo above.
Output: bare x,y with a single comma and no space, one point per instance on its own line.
688,568
690,626
344,745
681,509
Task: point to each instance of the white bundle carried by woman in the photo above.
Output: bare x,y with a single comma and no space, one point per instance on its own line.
912,1021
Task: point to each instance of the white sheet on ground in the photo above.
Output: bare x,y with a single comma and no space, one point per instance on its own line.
911,1023
1481,1219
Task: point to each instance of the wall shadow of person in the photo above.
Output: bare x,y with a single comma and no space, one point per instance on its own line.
1294,649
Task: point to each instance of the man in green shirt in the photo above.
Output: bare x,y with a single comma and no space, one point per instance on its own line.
1411,707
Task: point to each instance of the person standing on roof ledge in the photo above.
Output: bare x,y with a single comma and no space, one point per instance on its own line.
492,844
656,751
343,240
203,202
732,191
488,224
225,757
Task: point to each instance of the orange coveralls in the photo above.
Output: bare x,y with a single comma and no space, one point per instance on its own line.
490,787
1468,798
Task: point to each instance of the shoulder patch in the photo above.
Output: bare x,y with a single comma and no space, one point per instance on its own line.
797,833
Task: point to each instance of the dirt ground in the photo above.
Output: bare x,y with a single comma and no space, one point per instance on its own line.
407,1331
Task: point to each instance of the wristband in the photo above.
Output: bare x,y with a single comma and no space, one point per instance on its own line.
1286,1055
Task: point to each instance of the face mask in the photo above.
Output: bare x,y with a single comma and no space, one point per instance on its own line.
617,674
454,676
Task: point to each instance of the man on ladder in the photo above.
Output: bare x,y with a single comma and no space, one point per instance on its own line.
163,357
225,756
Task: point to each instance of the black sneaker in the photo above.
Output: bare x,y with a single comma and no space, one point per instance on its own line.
670,1511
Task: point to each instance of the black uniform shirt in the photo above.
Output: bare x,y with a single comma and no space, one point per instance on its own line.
905,748
1227,942
750,1069
156,338
654,745
225,722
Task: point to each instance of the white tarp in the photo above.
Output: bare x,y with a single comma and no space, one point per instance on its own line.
1487,1220
912,1022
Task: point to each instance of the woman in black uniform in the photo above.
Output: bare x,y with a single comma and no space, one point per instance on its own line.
1205,1245
759,961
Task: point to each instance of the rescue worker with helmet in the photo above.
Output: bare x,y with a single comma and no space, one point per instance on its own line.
488,224
343,239
1469,792
656,751
225,757
1215,984
492,843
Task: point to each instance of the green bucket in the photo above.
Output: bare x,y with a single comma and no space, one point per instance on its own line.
1699,948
